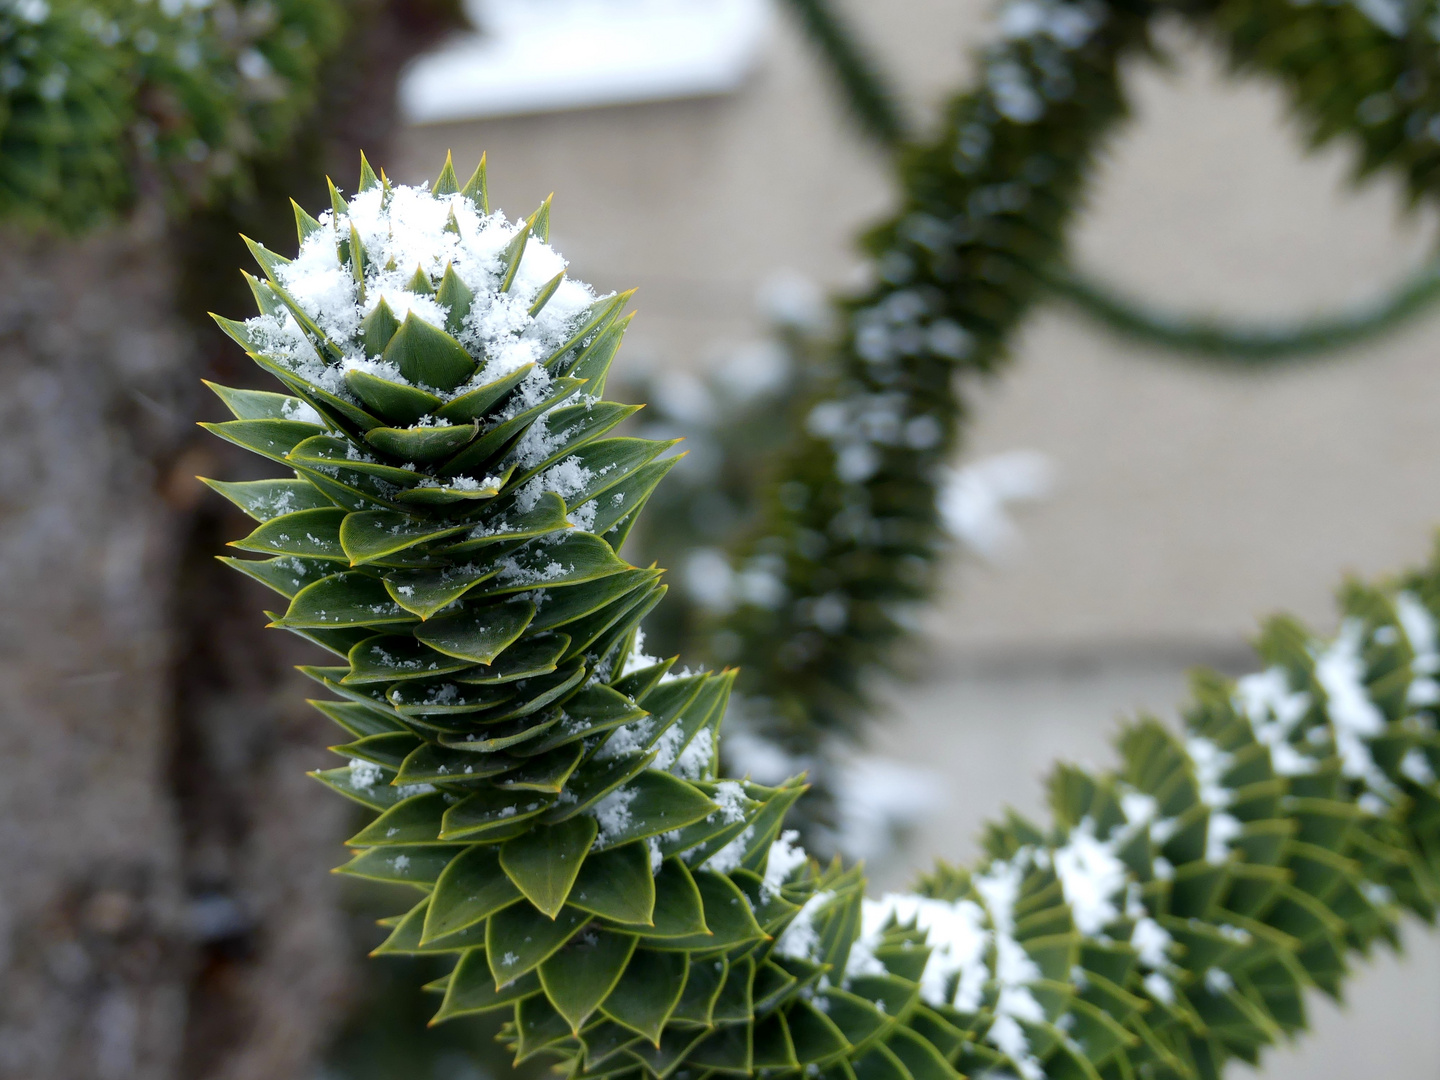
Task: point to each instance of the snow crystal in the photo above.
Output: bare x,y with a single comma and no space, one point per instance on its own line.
613,814
1218,981
1354,718
637,659
730,798
801,940
1420,632
785,857
566,479
954,932
1091,875
1151,943
697,757
1274,710
1159,988
301,412
732,854
626,740
1416,766
364,775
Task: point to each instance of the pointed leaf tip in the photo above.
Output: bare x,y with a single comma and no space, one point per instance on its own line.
446,183
540,220
304,223
475,188
337,203
368,179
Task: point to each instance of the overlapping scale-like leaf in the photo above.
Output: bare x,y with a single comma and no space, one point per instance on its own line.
450,532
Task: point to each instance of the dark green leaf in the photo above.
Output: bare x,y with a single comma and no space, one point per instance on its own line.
378,328
472,989
489,810
457,297
405,938
311,534
617,885
431,764
446,183
471,889
582,974
391,658
349,599
426,592
628,496
475,189
287,575
503,524
567,605
267,499
594,363
365,787
546,292
727,914
415,820
537,1026
333,452
525,659
445,698
428,356
359,720
496,438
657,802
697,1005
597,317
260,404
410,866
395,402
273,439
544,861
389,748
648,992
678,911
478,633
609,462
376,534
475,404
544,772
507,736
572,426
594,780
519,938
421,444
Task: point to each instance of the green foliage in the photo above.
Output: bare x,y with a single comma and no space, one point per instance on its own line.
850,539
98,95
1256,345
550,792
870,97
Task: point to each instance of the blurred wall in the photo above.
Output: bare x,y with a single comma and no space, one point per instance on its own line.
1189,501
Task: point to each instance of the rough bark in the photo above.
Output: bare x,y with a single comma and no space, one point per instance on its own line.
92,945
165,911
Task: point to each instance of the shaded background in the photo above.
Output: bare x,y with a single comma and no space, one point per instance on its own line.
183,924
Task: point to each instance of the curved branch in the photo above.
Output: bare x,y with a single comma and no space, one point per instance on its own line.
1239,344
868,92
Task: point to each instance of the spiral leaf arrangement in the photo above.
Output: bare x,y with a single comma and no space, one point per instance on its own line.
449,531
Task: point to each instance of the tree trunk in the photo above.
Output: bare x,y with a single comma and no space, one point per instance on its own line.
166,910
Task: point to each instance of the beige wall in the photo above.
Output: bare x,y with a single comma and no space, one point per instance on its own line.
1188,502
